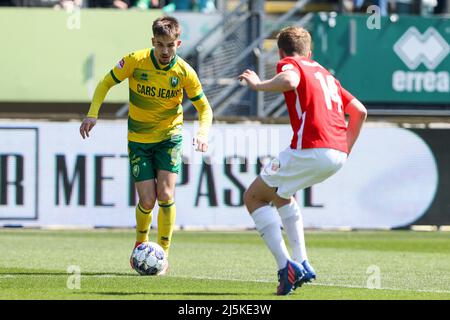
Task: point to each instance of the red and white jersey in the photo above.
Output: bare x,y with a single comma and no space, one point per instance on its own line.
316,107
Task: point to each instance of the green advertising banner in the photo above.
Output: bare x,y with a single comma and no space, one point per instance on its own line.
59,56
405,59
53,55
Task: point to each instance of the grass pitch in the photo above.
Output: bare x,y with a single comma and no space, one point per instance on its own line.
222,265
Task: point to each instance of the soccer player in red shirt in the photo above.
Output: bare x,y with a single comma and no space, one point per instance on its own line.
317,105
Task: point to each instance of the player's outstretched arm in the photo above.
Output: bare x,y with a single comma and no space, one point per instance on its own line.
99,96
86,126
195,93
357,115
283,81
200,143
205,116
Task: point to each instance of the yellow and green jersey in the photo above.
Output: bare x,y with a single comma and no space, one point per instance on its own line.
156,94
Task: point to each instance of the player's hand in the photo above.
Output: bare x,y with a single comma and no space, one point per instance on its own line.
201,144
86,126
251,78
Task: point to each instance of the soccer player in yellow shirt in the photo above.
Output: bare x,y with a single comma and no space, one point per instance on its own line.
156,80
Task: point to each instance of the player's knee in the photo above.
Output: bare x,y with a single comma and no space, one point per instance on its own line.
147,203
165,195
280,202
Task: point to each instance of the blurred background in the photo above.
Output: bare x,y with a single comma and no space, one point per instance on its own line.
394,56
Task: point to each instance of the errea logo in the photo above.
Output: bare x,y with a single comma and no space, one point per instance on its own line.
414,49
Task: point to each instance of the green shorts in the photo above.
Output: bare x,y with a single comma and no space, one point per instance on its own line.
147,158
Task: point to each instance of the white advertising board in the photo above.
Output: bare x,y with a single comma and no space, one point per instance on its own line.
50,176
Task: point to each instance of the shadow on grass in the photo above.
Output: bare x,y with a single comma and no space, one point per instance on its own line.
62,273
170,293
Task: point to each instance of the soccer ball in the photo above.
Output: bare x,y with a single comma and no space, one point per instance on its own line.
148,259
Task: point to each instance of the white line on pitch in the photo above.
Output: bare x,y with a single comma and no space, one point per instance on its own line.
320,284
6,276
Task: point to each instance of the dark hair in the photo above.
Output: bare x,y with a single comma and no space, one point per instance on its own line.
294,40
166,26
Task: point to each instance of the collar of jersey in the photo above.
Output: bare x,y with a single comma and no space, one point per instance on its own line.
155,63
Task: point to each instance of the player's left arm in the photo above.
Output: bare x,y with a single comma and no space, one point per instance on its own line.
195,93
357,113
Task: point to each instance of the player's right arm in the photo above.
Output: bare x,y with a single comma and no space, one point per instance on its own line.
122,70
286,80
357,115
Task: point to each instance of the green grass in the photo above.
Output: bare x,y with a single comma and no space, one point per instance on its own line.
222,265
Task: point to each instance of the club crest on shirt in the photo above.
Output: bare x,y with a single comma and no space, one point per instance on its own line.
120,64
174,82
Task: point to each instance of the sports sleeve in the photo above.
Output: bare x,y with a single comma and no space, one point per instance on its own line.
99,95
287,65
122,70
195,93
346,96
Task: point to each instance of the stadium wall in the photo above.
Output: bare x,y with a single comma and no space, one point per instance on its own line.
49,176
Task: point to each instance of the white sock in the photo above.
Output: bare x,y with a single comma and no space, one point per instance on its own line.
293,226
268,226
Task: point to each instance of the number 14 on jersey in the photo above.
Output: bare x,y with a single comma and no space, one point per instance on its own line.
330,90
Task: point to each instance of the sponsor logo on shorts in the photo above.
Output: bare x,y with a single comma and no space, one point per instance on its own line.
174,155
272,167
135,170
135,159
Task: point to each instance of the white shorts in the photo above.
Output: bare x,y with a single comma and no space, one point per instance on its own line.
294,170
